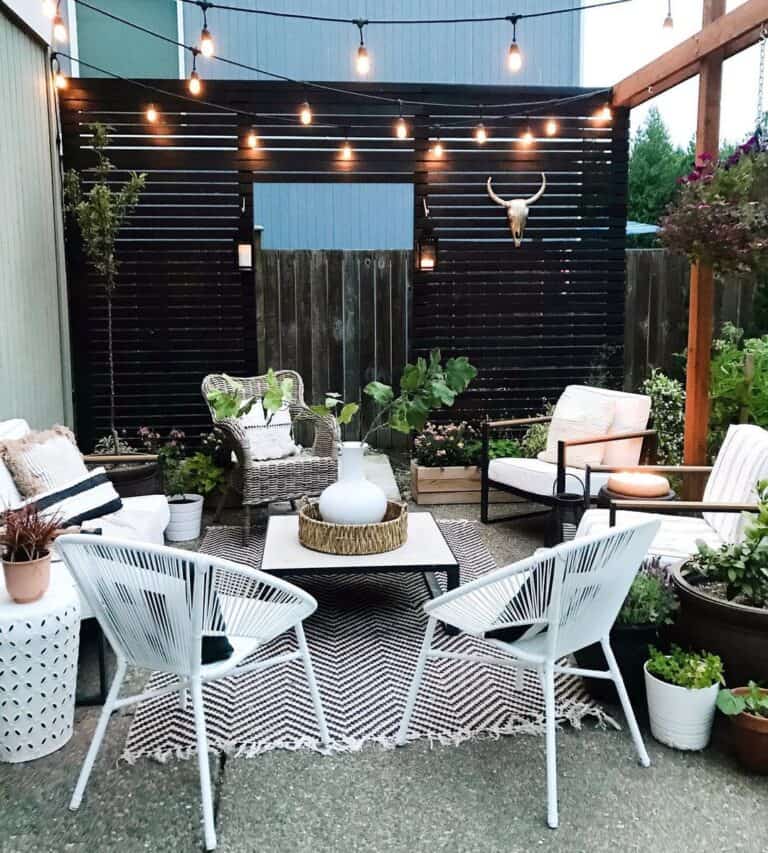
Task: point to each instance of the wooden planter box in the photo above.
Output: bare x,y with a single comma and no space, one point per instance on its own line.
452,485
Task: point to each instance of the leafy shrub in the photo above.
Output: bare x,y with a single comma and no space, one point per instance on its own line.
651,599
199,474
504,448
741,567
534,439
691,670
448,444
754,701
668,413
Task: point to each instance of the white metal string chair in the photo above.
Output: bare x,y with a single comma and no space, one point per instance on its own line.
157,604
563,598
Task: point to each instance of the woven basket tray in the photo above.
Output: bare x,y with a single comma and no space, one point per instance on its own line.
352,539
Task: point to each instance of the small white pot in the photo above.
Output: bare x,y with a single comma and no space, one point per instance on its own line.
186,519
352,499
680,717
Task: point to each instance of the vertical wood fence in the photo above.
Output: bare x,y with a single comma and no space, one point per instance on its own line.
656,327
337,317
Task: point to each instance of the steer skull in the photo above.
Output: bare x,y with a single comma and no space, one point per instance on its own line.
517,208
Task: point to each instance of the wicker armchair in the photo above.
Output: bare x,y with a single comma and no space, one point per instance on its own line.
262,482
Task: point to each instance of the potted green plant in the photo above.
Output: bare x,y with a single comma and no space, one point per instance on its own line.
682,690
747,709
649,606
100,212
723,595
25,541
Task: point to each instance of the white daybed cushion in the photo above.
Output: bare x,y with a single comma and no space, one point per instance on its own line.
540,478
580,412
676,540
11,430
142,519
631,413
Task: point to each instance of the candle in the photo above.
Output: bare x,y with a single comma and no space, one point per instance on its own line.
638,484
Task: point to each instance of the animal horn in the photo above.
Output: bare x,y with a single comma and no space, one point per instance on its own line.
492,195
536,196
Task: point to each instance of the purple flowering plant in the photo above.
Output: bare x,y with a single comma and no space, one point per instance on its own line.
720,217
441,445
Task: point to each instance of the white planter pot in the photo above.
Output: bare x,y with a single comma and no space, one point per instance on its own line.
352,499
186,519
680,717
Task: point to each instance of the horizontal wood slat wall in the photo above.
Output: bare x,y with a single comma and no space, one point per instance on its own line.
532,319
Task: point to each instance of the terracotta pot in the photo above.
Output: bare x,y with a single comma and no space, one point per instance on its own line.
750,737
739,634
27,581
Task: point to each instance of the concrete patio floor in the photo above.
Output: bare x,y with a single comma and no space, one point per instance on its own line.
481,797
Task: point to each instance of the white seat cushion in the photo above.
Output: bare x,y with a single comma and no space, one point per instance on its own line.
580,412
540,478
631,413
13,429
676,540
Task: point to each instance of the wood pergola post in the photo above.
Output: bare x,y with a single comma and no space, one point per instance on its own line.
702,292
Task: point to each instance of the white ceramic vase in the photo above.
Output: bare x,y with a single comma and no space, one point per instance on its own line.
352,499
680,717
186,519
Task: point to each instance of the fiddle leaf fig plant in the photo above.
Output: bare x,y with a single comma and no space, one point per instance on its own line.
425,386
231,402
100,213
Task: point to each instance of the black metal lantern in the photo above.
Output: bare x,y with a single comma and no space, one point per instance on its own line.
425,252
244,255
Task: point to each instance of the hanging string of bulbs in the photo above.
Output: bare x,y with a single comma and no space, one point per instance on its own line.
206,48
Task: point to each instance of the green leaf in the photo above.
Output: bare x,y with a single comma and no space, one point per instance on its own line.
320,410
413,375
442,393
381,393
348,411
729,703
459,373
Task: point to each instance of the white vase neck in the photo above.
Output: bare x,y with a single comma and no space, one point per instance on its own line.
352,460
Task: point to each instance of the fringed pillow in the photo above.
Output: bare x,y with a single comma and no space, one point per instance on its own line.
43,461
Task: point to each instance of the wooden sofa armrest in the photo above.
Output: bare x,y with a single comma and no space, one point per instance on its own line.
650,469
613,436
118,458
538,419
673,507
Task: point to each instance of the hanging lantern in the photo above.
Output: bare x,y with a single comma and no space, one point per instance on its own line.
426,249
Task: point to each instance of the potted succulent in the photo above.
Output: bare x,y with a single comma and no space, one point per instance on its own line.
649,606
25,545
723,595
747,709
682,690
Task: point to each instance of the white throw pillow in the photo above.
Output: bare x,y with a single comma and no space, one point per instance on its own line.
43,461
268,441
580,412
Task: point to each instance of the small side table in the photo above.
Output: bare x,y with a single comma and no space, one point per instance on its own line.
38,670
605,496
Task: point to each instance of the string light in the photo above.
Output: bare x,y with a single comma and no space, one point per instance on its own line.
346,150
550,127
194,85
604,113
363,61
305,113
481,134
252,139
50,8
206,39
669,23
59,80
514,55
437,148
59,30
401,128
526,137
151,113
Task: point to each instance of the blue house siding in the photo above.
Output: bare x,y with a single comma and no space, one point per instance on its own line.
334,216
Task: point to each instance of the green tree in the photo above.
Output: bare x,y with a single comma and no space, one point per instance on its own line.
655,164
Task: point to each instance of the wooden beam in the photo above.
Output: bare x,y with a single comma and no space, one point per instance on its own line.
722,36
702,298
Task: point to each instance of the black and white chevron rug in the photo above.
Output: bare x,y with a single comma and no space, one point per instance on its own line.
364,640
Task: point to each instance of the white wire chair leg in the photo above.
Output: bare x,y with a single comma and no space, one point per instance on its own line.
196,689
418,676
98,735
629,712
317,702
548,683
183,699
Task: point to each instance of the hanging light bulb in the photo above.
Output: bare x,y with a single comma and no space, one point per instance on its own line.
481,134
604,113
550,127
526,137
669,23
363,60
305,113
401,128
59,80
346,150
437,148
151,113
514,54
50,8
252,138
206,39
59,30
194,85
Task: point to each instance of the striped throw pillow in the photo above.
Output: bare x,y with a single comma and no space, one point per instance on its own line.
87,497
